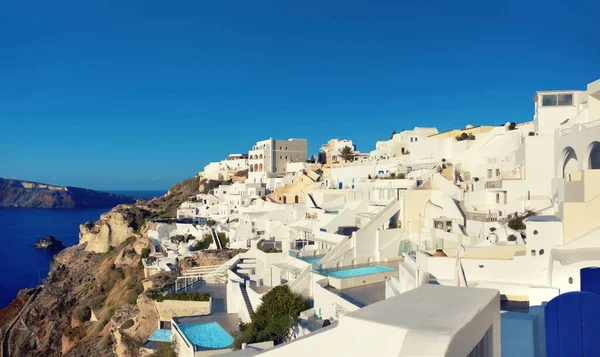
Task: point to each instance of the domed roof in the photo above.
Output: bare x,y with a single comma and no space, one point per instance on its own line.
439,253
469,126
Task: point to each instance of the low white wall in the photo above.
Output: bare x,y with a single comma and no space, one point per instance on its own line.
328,305
175,308
255,298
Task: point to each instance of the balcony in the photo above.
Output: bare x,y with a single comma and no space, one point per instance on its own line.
493,184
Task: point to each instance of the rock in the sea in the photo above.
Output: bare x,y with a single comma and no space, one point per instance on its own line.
49,243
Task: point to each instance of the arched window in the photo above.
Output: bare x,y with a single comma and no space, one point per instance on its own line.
255,167
260,156
296,199
251,168
416,139
284,199
260,167
411,140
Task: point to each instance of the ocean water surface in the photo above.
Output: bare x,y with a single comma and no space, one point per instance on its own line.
23,266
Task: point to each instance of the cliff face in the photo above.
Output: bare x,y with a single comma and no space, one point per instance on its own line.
26,194
93,303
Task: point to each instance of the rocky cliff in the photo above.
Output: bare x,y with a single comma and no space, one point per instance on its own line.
93,303
26,194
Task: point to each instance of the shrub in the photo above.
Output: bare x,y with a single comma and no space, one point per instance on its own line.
165,350
211,222
274,318
151,260
202,244
393,175
145,253
180,296
401,176
223,239
512,126
492,229
465,136
512,238
516,225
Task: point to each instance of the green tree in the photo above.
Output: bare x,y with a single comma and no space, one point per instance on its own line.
347,153
275,317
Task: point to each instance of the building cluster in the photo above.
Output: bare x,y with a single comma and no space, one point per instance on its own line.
451,243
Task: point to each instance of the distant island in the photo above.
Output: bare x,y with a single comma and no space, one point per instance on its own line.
28,194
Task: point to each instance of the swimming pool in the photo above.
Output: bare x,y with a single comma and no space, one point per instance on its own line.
161,335
353,272
312,260
207,335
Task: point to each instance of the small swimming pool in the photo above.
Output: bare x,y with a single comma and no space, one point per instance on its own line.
161,335
207,335
353,272
312,260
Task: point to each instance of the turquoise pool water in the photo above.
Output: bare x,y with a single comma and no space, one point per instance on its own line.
312,260
207,335
352,272
161,335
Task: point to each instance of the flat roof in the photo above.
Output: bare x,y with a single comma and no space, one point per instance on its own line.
426,310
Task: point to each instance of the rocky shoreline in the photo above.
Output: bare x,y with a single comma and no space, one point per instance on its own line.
93,301
49,243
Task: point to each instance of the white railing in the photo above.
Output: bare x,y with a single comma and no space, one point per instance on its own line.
590,124
296,284
565,131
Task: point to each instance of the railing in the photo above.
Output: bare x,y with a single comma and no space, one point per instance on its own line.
482,217
294,285
493,184
589,124
565,131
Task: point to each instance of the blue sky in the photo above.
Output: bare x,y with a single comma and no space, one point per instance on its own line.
142,94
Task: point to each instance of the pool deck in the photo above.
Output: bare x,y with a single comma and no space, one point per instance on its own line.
361,296
229,322
217,291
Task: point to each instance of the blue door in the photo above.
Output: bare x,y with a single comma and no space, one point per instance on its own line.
590,280
340,185
573,325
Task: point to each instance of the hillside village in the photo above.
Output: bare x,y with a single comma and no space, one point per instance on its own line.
476,241
391,239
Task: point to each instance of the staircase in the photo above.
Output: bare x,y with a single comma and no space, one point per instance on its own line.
246,299
215,237
313,201
246,267
383,216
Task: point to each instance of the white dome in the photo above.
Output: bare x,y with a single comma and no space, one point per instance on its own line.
469,126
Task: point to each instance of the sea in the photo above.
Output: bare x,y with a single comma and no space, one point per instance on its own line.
21,265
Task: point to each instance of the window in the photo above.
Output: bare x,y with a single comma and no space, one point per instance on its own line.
541,252
489,173
553,100
411,140
286,147
286,157
497,172
416,139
